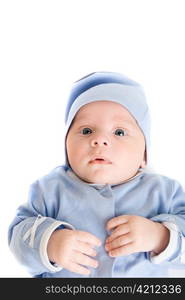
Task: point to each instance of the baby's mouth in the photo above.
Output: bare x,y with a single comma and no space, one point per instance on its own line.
100,160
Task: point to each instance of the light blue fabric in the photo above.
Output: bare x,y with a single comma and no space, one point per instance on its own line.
87,207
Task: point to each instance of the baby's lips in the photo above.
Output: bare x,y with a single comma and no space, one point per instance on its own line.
100,159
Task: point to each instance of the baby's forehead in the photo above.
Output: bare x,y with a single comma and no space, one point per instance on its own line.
112,110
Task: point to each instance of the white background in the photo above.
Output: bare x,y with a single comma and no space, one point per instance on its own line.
45,46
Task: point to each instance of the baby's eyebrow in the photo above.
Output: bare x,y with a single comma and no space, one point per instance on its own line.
124,121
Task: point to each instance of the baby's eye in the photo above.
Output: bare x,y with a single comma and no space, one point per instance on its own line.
120,132
86,131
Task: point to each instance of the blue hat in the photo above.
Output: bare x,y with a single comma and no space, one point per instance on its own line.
110,86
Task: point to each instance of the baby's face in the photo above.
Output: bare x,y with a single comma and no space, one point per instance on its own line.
105,144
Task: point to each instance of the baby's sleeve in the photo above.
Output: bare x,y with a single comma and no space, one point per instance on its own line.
174,220
30,231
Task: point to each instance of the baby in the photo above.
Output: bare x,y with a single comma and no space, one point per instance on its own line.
103,214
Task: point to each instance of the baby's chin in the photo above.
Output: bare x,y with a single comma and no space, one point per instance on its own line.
101,179
105,176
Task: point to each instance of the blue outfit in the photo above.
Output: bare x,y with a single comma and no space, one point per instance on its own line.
62,198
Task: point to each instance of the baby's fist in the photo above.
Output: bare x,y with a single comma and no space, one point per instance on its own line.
71,249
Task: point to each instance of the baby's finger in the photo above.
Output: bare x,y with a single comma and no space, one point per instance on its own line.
118,242
114,222
123,250
120,230
87,237
85,248
85,260
76,268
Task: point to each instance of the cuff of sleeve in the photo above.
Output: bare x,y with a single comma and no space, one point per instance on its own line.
172,245
43,245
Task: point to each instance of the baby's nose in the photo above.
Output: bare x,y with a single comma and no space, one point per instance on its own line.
100,141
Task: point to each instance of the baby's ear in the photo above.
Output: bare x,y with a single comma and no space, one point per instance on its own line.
143,163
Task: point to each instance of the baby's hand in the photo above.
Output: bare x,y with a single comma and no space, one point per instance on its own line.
132,234
71,249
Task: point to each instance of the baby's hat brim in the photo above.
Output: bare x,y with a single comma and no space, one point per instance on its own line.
113,87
